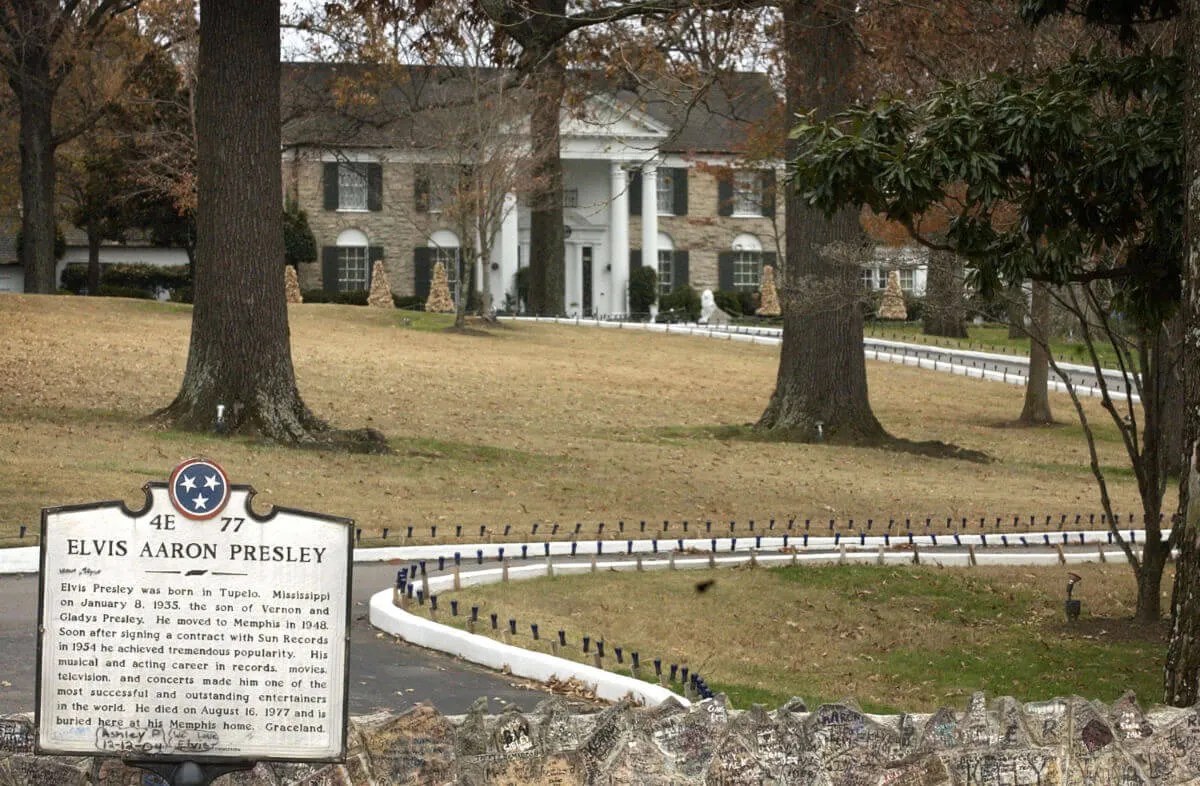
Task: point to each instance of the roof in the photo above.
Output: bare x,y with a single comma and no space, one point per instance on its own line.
355,105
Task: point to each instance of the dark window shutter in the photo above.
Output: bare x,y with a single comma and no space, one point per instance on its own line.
374,254
422,271
374,187
329,268
421,190
679,183
679,273
725,196
725,270
331,186
768,193
635,193
635,258
769,258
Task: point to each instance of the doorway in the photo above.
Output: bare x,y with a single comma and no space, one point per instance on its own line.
586,272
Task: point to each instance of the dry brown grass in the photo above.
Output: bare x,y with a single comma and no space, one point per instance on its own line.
535,423
892,638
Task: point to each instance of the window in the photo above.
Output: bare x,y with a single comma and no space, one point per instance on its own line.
666,264
665,284
868,278
747,262
570,197
352,269
352,186
436,188
747,193
444,248
747,269
665,193
353,273
906,279
449,259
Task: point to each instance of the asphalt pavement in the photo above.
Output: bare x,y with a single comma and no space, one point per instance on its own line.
385,673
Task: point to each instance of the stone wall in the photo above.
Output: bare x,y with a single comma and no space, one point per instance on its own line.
1064,742
398,227
703,234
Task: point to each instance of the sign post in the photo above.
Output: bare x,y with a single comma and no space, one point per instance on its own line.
195,636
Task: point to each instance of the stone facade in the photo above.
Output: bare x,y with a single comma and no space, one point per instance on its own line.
398,228
1063,742
704,234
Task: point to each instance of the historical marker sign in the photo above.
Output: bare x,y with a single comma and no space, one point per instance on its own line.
193,629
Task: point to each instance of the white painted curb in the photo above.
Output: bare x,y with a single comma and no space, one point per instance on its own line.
540,666
518,661
875,348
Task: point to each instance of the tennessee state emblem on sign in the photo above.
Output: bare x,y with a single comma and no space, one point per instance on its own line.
199,489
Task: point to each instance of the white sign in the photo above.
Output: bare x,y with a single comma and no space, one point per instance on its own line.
194,628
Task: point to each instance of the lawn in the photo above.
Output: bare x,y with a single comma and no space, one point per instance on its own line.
891,638
533,423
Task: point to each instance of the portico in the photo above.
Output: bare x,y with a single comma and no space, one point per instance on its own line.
601,150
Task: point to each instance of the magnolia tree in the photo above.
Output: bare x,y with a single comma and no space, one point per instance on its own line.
1068,177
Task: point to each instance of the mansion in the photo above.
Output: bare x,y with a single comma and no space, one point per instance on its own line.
648,180
677,181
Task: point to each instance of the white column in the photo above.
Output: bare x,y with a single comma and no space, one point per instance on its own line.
509,250
618,235
650,216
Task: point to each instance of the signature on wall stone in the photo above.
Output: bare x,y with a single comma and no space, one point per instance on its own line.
1002,742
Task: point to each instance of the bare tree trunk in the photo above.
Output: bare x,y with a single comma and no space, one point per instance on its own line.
1181,677
547,256
821,388
1015,301
1037,395
35,94
945,309
462,286
93,267
240,351
1172,410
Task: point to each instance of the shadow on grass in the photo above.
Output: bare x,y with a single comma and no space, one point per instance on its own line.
750,433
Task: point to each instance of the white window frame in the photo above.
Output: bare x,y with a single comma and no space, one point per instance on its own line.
747,270
353,269
907,279
747,193
868,278
664,194
666,262
442,181
352,184
570,198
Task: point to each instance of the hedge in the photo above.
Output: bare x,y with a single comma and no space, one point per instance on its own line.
148,278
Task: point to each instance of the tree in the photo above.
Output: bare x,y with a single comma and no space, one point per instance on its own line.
94,182
1087,156
43,43
239,357
821,386
1182,674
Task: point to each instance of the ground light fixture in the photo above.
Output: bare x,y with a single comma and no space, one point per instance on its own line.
1072,606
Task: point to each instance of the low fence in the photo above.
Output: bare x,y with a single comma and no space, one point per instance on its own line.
1010,369
412,608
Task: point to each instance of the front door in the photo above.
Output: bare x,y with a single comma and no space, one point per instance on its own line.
586,272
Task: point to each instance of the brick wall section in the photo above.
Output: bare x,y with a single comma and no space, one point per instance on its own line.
400,229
